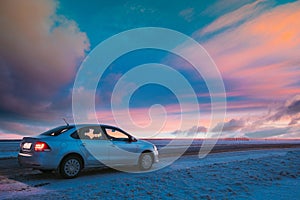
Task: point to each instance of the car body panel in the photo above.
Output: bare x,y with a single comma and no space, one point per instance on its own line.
94,152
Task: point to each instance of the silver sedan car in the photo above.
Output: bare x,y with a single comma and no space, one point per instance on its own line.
68,149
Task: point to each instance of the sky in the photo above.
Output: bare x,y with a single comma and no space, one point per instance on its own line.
254,44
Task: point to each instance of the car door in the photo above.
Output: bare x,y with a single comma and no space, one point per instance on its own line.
122,151
93,145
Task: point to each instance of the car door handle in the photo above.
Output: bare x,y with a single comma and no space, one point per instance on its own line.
83,144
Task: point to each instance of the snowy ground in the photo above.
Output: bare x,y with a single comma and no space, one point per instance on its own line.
256,174
10,148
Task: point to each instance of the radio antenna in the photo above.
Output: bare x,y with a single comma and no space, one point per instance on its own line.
66,122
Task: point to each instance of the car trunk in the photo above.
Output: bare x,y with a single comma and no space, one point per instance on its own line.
27,144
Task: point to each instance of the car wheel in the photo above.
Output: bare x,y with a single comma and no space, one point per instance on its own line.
145,161
70,167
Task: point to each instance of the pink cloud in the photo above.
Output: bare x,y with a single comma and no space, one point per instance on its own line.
9,136
157,120
261,55
281,121
232,18
18,130
40,52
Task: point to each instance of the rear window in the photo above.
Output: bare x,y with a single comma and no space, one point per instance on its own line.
57,131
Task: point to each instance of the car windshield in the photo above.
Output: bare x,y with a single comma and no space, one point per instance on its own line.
57,131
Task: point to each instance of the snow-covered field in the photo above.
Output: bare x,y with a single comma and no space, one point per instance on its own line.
255,174
9,149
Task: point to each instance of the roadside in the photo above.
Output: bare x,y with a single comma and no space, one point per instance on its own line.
10,149
234,175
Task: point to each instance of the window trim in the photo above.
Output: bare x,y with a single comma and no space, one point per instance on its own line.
117,129
76,136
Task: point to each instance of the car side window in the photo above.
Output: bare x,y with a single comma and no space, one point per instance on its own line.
89,133
116,134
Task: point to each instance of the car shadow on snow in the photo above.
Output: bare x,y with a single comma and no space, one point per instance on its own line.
10,171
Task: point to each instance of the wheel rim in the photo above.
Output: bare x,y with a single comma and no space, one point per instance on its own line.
72,167
146,161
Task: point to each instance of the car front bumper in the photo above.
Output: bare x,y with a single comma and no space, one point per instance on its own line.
155,153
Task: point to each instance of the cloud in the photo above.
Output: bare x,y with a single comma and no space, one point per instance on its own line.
187,14
269,132
151,121
259,56
195,131
20,129
280,121
232,125
246,12
294,121
40,52
290,109
294,107
221,7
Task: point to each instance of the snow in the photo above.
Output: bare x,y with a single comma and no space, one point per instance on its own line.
255,174
289,187
10,149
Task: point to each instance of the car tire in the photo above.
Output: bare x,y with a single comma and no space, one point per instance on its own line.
146,161
70,167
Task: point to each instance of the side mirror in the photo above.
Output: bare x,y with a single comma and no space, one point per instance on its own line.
132,139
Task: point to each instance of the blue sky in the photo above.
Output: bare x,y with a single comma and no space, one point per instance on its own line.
255,45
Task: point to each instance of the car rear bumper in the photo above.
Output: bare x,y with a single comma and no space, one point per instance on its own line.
36,162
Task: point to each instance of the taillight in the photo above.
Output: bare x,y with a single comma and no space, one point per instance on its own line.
41,146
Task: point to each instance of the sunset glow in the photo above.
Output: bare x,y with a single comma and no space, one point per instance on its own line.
254,44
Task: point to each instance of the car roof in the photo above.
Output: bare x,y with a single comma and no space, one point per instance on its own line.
78,126
85,125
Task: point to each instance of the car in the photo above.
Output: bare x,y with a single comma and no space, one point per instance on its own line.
70,148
